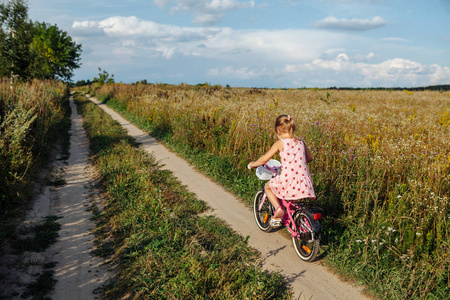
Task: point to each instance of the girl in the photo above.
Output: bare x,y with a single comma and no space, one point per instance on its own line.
294,182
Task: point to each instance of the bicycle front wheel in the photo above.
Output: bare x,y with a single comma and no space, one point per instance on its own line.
306,244
263,215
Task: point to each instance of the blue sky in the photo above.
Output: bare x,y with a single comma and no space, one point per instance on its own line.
272,44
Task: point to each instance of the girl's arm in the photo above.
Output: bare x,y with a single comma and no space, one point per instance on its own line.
277,146
309,156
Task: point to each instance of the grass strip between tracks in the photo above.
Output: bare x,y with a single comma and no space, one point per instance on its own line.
150,226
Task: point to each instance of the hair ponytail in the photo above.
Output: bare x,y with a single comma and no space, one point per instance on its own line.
286,124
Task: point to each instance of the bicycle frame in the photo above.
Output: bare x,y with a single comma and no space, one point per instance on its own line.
301,218
291,207
288,221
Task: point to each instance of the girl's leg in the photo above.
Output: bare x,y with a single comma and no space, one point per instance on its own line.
273,199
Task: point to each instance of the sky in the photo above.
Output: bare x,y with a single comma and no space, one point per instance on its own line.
263,44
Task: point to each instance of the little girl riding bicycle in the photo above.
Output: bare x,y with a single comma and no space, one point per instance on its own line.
294,181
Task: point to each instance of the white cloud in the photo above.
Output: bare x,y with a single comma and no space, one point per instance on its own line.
84,24
216,6
389,73
441,75
161,3
205,12
352,25
134,27
206,18
288,57
365,58
224,5
167,52
338,1
213,42
341,71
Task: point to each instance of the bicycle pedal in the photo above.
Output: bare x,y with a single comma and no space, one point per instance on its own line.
275,222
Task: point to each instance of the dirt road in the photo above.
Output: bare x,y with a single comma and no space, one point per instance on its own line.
77,272
308,280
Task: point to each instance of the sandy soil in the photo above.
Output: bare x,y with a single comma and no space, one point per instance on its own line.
79,275
308,280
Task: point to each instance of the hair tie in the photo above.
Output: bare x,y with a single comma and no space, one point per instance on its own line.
288,117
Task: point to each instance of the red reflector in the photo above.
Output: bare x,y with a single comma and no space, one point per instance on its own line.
317,216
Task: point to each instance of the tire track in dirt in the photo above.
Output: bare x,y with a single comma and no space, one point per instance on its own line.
308,280
78,273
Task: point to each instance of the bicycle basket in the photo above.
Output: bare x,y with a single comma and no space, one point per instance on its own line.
265,174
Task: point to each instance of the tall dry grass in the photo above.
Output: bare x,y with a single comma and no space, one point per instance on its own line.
381,168
31,117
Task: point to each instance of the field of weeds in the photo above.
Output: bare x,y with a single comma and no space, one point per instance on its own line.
381,168
32,116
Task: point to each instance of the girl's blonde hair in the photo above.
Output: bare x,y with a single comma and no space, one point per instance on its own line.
286,124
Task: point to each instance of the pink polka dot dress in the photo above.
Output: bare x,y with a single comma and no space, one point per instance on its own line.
294,182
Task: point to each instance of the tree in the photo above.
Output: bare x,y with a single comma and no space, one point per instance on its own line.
56,55
82,82
36,50
104,77
16,34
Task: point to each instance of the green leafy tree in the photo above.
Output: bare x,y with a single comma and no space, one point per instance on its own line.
82,82
36,50
104,77
16,34
56,54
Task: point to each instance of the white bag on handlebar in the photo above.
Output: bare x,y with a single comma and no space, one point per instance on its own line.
265,174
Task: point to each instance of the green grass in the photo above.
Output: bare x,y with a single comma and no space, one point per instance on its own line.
39,236
39,288
151,226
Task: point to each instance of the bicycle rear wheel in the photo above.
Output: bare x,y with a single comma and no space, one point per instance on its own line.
307,244
262,217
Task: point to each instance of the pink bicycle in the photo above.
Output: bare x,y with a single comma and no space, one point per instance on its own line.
301,219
